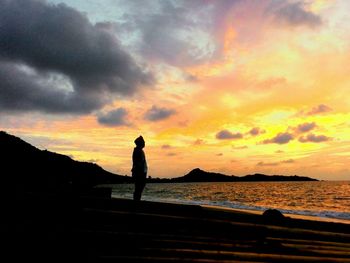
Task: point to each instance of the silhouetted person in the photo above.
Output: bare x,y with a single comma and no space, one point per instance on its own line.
139,167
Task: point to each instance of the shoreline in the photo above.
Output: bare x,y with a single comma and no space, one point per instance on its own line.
250,211
293,216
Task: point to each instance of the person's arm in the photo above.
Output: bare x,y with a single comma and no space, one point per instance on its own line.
145,168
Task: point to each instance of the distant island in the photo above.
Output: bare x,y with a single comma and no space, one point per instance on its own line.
198,175
27,167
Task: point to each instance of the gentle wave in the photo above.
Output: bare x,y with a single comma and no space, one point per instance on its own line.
328,200
322,214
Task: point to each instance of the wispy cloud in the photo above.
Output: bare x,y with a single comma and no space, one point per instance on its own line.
319,109
267,164
166,147
289,161
239,147
295,14
305,127
198,142
281,138
314,138
117,117
227,135
158,113
256,131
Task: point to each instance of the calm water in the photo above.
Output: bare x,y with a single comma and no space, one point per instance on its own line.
322,199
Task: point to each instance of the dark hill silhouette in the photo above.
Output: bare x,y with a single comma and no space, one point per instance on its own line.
198,175
25,168
263,177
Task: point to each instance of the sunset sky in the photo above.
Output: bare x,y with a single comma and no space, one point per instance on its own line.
230,86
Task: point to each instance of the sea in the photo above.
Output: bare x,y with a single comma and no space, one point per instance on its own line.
321,200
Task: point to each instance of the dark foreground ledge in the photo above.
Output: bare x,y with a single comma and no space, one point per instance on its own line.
103,229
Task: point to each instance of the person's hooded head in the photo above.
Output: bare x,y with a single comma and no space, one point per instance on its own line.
140,142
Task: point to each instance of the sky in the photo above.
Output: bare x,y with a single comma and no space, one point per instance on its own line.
230,86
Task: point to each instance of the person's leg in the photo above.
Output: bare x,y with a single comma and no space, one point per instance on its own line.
137,195
139,186
142,186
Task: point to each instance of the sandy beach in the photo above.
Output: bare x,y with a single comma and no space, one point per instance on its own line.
120,230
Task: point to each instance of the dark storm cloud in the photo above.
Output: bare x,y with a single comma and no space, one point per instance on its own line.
158,113
24,91
281,138
294,14
161,27
56,40
168,31
114,118
314,138
227,135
